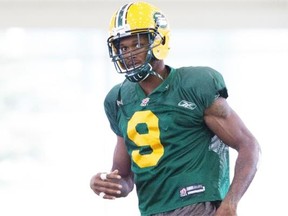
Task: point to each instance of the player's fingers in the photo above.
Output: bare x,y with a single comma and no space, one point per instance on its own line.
109,185
103,176
110,193
112,175
107,196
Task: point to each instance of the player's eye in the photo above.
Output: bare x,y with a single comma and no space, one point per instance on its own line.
123,49
140,45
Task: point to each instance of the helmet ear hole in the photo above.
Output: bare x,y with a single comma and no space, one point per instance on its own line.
164,40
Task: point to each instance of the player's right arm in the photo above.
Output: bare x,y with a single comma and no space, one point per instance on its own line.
122,163
120,181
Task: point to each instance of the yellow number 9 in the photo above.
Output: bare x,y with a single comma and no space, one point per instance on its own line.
152,138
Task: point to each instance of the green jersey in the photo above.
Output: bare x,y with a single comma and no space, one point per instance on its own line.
175,158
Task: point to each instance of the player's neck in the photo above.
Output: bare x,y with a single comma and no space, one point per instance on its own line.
153,81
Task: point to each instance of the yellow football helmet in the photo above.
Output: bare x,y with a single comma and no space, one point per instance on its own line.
138,18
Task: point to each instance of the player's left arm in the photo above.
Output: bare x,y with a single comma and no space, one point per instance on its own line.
228,126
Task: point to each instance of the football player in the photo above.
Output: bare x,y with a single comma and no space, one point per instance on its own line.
174,126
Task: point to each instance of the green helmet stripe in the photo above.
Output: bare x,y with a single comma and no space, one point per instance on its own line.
121,15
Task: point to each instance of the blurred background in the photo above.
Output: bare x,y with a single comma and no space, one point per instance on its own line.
55,72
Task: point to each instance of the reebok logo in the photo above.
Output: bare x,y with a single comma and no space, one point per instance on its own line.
187,104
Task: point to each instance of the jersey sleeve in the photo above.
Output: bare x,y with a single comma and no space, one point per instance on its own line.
206,85
111,109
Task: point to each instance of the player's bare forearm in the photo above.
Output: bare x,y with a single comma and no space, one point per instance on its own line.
245,170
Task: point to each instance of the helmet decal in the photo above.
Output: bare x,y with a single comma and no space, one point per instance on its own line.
160,20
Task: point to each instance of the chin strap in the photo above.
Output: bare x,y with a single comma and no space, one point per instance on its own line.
156,74
142,73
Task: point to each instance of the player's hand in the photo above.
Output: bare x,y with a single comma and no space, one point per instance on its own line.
107,185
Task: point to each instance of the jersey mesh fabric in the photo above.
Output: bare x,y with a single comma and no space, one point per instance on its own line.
176,159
